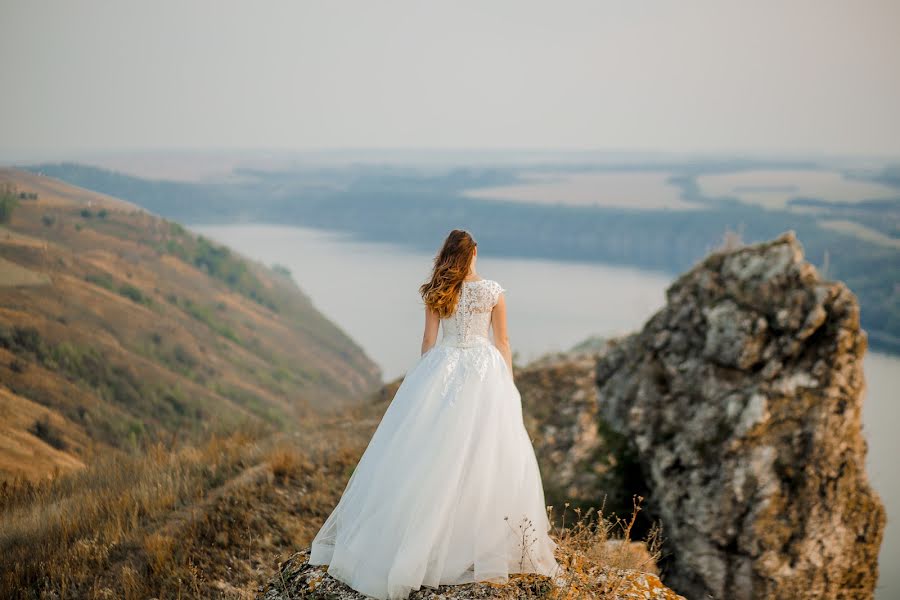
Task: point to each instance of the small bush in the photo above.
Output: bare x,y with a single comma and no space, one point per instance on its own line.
24,339
176,229
86,213
281,270
184,357
286,462
133,294
9,199
205,315
43,429
104,280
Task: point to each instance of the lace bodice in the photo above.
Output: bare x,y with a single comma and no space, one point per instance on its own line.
470,323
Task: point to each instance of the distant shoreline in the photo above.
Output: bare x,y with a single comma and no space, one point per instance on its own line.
415,205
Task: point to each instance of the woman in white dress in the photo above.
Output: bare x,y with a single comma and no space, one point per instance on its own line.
448,490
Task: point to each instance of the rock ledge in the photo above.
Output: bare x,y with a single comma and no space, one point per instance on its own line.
297,579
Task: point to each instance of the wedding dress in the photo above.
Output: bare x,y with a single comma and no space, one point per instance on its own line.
448,490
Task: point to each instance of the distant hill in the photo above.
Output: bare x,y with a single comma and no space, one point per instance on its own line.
118,328
855,242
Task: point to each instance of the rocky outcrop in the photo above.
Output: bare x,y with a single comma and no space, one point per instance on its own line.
583,461
297,579
742,400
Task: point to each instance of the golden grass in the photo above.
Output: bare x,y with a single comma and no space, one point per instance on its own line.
54,534
599,557
12,274
210,520
285,462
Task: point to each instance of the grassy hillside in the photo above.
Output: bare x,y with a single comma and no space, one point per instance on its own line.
211,520
173,417
119,329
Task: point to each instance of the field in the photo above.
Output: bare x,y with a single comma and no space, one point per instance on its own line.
773,189
638,190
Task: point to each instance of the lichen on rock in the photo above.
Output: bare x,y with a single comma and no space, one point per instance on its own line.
583,461
742,398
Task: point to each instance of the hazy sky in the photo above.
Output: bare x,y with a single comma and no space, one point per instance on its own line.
763,75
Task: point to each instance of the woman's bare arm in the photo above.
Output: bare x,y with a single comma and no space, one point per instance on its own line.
429,337
501,338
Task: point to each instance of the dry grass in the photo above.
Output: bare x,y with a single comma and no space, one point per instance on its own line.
12,274
598,560
208,521
599,557
55,534
285,462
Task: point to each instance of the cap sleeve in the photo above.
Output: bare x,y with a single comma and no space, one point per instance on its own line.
496,290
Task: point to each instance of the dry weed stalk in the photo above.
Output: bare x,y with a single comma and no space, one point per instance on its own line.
596,554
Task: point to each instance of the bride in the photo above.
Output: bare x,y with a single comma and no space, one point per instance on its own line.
448,490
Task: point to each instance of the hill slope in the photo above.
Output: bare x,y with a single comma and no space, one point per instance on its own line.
118,327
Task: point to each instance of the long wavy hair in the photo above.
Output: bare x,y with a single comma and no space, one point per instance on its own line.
451,265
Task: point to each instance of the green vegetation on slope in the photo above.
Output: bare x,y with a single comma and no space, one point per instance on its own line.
119,329
9,199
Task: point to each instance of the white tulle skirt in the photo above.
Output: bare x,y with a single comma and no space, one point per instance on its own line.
448,490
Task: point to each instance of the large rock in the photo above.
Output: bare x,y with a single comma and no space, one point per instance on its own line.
583,462
742,398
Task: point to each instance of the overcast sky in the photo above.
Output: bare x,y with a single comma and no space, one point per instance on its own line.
816,76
